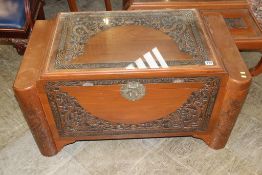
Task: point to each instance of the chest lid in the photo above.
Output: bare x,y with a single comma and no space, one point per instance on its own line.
130,41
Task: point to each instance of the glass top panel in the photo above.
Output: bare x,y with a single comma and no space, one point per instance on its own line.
130,40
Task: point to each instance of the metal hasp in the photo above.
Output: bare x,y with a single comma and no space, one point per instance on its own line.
133,91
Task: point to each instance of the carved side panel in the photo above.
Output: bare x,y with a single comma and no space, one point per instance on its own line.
35,117
73,120
234,99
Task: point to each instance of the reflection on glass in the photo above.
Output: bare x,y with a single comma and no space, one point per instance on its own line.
152,60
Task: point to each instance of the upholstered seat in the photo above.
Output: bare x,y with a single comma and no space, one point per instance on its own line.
17,18
12,14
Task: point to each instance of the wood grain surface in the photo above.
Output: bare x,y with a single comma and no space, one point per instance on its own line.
128,43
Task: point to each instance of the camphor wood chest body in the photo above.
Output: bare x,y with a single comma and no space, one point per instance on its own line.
103,75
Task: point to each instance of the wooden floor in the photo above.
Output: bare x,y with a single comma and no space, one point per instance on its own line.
19,153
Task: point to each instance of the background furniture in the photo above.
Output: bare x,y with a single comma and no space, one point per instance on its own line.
255,71
256,8
244,18
178,4
17,20
73,6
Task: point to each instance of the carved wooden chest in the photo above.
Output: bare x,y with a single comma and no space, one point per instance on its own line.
116,75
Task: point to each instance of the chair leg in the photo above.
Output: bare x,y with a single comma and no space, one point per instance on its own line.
41,13
19,44
108,5
72,5
257,69
125,4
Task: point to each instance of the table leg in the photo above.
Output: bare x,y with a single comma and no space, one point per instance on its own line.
72,5
126,4
257,69
108,5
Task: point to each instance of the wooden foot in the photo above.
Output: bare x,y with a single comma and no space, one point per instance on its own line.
257,69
